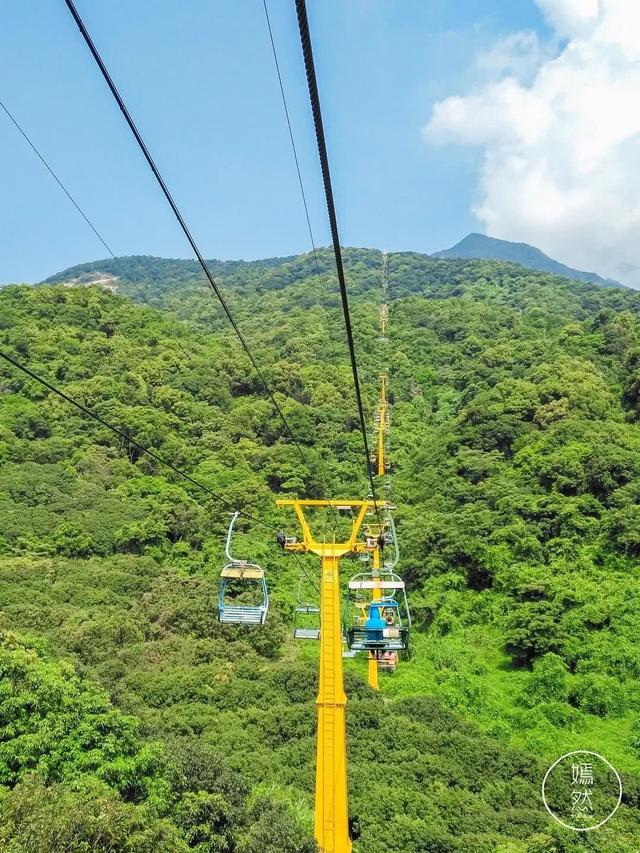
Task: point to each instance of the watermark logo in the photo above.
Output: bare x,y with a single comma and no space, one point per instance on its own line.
582,790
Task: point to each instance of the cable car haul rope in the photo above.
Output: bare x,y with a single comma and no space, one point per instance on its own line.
178,215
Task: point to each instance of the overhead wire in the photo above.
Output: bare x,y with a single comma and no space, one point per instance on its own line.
314,97
82,213
303,193
144,298
385,366
97,234
297,165
135,443
119,432
179,217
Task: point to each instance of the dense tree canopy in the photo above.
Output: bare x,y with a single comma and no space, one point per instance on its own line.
132,720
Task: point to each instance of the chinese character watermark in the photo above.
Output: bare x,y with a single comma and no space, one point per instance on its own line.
582,774
582,783
582,790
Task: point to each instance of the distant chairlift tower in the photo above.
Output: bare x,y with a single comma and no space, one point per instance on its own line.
382,423
384,320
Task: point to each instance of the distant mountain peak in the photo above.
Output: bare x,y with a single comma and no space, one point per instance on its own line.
481,246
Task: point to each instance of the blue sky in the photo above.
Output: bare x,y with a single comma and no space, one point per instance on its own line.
199,79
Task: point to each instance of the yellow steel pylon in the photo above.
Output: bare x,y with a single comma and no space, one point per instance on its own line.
384,319
372,671
331,799
383,422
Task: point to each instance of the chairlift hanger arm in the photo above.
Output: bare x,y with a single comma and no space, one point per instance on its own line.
227,548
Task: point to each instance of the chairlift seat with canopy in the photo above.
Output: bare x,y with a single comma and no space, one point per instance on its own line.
243,596
374,632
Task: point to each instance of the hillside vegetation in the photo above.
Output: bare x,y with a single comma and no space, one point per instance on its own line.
133,721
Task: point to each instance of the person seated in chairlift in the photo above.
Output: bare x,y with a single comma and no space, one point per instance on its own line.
389,616
375,624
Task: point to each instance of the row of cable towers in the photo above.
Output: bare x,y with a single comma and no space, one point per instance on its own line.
373,619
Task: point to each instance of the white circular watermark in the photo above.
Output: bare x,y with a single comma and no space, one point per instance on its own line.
583,781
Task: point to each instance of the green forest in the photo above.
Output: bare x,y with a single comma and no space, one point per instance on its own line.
132,720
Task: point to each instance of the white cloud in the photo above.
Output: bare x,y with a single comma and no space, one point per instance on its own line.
519,55
561,135
570,17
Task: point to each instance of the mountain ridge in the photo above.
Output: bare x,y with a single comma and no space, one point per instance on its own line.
483,247
161,275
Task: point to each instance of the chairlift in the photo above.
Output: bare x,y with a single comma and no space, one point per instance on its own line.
378,536
243,597
388,661
346,651
389,565
380,624
306,618
306,624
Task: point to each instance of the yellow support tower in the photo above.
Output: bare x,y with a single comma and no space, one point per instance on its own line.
331,800
383,412
384,319
372,671
385,274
